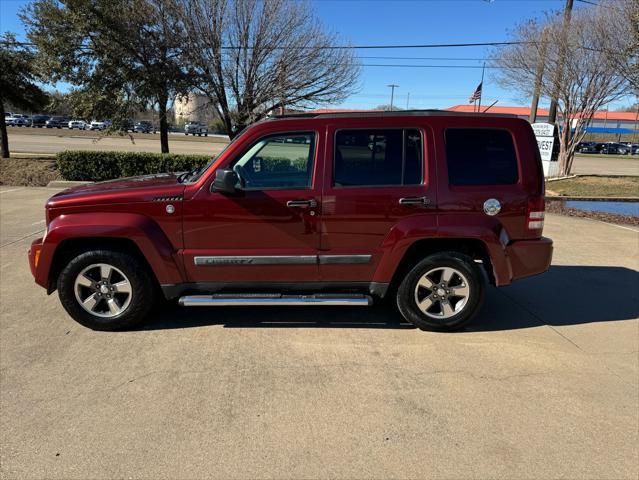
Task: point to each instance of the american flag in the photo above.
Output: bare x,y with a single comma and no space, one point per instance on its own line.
476,94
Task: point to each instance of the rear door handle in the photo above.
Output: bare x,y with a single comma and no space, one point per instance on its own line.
414,201
312,203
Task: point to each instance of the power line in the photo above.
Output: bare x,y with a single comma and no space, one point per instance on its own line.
464,59
427,66
357,47
346,47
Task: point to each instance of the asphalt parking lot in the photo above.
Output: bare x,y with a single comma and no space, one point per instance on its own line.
51,142
544,384
47,143
600,165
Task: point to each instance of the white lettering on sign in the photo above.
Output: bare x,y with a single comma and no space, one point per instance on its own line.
545,134
543,129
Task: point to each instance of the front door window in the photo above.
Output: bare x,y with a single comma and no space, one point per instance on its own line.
282,161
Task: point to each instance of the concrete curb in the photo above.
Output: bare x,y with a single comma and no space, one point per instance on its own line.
554,179
65,184
579,175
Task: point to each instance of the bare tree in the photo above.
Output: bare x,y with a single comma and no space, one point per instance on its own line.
253,57
592,55
386,107
622,40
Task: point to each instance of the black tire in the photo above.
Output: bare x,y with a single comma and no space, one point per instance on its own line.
143,291
406,293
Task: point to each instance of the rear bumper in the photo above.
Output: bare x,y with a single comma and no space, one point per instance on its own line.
34,258
529,257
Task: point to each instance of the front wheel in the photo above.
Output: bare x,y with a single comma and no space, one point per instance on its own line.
443,292
106,290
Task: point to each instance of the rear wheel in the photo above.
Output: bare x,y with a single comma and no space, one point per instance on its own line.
442,292
106,290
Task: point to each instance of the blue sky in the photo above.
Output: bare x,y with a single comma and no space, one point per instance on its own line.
375,22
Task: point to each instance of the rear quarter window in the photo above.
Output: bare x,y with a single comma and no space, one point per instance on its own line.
480,156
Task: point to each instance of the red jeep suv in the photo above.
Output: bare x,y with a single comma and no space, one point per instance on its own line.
424,207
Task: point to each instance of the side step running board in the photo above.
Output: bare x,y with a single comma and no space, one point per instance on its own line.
255,300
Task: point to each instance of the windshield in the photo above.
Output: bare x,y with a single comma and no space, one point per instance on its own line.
197,174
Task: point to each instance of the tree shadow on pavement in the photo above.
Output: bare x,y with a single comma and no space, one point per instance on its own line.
565,295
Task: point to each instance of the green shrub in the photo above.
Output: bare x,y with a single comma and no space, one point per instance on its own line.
272,164
81,165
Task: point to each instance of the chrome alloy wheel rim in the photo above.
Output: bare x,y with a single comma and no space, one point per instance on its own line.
103,290
442,293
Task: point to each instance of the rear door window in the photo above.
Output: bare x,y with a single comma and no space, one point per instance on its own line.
372,157
480,156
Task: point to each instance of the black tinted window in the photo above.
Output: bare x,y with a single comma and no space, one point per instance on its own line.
378,157
480,156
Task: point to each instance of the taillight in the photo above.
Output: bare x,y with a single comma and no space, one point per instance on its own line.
535,214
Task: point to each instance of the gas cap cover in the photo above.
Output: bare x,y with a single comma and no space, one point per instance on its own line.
492,206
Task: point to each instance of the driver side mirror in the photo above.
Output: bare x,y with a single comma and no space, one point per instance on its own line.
225,181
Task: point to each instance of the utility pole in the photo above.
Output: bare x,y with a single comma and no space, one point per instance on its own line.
407,99
392,87
636,121
539,74
552,115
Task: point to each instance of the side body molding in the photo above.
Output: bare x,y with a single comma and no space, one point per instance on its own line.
143,231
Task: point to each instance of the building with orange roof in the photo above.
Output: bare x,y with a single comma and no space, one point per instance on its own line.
601,119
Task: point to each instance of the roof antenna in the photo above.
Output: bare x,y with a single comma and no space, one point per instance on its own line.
489,106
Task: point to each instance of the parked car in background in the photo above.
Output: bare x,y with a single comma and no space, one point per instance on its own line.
77,124
300,211
196,128
144,127
587,147
614,148
39,121
99,125
125,125
58,122
18,120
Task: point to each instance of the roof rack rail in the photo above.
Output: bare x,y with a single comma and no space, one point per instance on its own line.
384,113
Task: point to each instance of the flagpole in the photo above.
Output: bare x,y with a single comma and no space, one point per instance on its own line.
481,92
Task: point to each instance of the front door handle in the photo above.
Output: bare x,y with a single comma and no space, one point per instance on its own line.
312,203
414,201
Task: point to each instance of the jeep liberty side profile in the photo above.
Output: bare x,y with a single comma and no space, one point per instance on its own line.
422,207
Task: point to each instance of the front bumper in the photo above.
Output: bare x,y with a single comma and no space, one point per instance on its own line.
529,257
